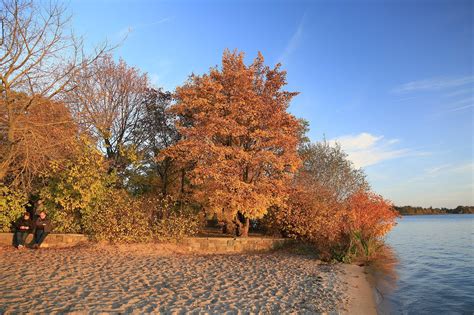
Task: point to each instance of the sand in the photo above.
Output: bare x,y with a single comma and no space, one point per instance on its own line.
361,299
154,279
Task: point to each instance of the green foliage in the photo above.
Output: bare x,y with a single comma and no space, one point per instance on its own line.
12,206
82,197
74,187
362,249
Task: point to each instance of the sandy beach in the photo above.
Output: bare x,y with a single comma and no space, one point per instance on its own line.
154,279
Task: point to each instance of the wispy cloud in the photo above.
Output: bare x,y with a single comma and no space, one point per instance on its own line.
366,149
456,109
294,41
437,169
434,84
461,92
457,92
161,21
460,105
429,174
361,141
467,167
124,32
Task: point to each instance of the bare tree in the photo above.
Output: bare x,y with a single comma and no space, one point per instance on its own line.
38,58
328,166
108,102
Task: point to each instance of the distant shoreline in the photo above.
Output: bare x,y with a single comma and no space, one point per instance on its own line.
419,214
409,210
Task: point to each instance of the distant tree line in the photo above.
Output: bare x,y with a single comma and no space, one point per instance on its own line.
409,210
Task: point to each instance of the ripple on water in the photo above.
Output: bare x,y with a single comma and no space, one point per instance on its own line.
436,265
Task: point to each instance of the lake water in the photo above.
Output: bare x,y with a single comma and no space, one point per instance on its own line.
436,265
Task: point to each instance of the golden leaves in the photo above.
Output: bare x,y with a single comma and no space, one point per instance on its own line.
238,135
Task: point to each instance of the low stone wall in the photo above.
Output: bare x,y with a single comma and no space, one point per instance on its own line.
191,244
52,240
229,245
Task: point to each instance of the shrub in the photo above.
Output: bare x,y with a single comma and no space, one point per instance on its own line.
174,219
270,224
121,218
118,218
370,215
312,214
347,231
12,206
369,218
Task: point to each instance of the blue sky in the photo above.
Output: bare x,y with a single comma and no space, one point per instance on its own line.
392,81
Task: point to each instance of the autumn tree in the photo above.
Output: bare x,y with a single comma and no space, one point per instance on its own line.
42,133
38,59
237,131
108,102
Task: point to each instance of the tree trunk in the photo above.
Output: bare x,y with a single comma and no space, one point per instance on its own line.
183,177
245,228
238,226
164,183
242,225
3,171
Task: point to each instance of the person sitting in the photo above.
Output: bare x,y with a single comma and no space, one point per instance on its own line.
42,229
23,226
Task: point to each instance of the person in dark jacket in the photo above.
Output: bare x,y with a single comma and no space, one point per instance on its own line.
23,226
42,229
36,209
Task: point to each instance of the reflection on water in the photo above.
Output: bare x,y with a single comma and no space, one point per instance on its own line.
435,269
382,274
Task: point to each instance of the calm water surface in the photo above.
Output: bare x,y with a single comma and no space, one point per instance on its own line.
436,265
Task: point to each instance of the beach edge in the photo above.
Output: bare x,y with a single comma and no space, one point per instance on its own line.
360,291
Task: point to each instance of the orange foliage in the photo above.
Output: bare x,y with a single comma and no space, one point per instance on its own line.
370,214
313,214
238,136
341,230
33,132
